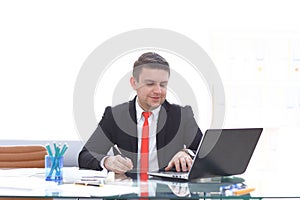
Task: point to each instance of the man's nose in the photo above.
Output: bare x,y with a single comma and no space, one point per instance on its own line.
157,88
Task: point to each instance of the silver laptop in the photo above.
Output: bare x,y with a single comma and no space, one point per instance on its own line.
222,152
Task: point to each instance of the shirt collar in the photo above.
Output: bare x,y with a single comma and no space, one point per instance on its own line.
139,111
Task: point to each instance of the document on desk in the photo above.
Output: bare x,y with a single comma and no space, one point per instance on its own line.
101,191
24,186
73,174
31,182
97,184
21,172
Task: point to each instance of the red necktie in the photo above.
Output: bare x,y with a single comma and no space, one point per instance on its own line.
144,163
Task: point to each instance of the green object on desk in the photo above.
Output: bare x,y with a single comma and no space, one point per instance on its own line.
54,163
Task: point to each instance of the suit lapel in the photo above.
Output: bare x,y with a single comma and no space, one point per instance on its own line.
162,129
132,113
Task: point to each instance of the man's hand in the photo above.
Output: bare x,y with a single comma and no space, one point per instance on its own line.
182,162
118,164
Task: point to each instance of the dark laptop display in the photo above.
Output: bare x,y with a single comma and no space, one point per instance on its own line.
222,152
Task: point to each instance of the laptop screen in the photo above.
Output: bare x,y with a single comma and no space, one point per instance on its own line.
224,152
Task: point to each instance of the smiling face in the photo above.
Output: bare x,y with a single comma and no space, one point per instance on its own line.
151,87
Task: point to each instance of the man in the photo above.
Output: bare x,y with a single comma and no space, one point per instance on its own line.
173,131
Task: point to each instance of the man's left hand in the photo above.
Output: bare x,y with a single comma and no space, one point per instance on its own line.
182,161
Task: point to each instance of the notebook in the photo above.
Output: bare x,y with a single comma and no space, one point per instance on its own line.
222,152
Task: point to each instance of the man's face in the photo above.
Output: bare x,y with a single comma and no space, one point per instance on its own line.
151,87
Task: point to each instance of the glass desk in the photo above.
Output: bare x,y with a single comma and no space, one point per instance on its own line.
30,183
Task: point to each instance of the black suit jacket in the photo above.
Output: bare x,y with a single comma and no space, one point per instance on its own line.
176,127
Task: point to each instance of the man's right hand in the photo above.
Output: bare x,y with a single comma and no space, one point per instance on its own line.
118,164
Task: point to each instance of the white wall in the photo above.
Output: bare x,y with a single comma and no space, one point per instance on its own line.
254,45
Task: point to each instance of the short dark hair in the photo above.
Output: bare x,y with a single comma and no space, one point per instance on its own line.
149,60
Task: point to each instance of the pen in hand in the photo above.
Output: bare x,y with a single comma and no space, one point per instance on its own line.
118,150
118,163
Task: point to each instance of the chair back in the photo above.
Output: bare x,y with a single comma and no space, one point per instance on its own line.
29,156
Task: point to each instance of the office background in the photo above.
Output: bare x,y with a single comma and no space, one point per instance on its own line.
255,46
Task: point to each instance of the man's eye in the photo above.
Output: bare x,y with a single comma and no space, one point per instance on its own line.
149,84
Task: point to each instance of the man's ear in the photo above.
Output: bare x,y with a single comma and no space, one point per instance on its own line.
133,83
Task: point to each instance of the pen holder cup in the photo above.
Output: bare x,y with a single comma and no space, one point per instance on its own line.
54,168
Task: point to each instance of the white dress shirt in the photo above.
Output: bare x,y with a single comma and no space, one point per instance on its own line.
152,120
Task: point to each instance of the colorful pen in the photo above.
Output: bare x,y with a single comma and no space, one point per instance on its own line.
243,191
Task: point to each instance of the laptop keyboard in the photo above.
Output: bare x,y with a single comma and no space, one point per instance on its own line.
177,174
